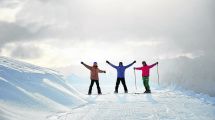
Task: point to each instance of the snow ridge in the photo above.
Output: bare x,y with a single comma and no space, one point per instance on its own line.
27,86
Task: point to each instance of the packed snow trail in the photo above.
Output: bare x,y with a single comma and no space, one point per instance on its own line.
160,105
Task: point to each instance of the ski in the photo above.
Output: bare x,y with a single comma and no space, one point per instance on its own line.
130,93
141,93
98,94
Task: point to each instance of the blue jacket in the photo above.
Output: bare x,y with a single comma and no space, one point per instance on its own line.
121,69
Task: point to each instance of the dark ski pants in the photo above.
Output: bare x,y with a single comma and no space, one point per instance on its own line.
123,83
146,83
91,86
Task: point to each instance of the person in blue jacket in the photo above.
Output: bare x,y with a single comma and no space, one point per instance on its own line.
120,75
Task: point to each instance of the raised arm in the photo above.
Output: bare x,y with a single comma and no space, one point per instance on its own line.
130,64
112,65
102,71
87,66
151,66
138,68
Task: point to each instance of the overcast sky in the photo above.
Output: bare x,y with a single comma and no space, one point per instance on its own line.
61,33
56,33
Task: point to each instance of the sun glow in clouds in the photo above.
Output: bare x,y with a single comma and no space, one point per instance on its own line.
8,14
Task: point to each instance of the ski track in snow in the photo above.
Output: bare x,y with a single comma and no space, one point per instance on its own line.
160,105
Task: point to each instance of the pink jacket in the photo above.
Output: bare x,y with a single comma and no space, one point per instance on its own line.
145,69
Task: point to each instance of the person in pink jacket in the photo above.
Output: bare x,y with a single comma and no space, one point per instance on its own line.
145,74
94,71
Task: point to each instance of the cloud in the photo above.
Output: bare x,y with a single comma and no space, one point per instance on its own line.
22,50
10,3
9,9
68,31
13,32
136,23
74,21
26,52
176,23
193,74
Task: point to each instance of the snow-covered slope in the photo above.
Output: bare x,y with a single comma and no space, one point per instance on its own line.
29,87
162,104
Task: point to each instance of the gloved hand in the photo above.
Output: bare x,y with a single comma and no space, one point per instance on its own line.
82,62
134,61
104,71
107,62
157,63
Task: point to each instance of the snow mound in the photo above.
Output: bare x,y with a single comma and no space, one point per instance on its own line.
33,87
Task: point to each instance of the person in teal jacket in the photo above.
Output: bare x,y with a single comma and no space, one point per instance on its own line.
120,75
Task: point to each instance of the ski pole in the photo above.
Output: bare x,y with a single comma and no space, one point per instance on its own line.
135,79
106,76
158,75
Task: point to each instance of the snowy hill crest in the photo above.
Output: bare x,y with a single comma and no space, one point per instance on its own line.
35,87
